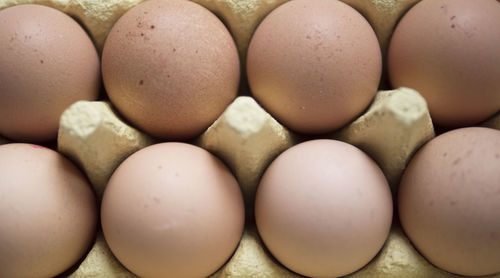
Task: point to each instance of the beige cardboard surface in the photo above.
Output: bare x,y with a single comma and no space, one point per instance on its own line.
398,258
247,139
251,260
392,129
93,136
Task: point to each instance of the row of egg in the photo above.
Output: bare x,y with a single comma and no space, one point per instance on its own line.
323,208
142,73
171,68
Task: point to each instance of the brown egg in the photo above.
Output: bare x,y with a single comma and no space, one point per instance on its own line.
323,208
47,63
449,201
314,64
448,50
170,67
172,210
48,212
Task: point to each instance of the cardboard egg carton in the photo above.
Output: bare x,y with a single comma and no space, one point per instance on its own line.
247,138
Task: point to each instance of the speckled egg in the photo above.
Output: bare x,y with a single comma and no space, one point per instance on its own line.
447,50
170,67
449,201
47,62
314,64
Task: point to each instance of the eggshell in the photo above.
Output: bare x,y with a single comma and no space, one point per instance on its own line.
448,50
48,212
172,210
47,63
323,208
449,201
314,64
170,67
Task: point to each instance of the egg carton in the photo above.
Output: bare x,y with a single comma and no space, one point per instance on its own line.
247,138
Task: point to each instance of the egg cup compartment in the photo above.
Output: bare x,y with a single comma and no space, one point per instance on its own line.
247,138
93,136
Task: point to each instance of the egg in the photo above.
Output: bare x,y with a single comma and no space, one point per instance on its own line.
323,208
447,50
449,201
47,63
314,64
48,212
172,210
170,68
